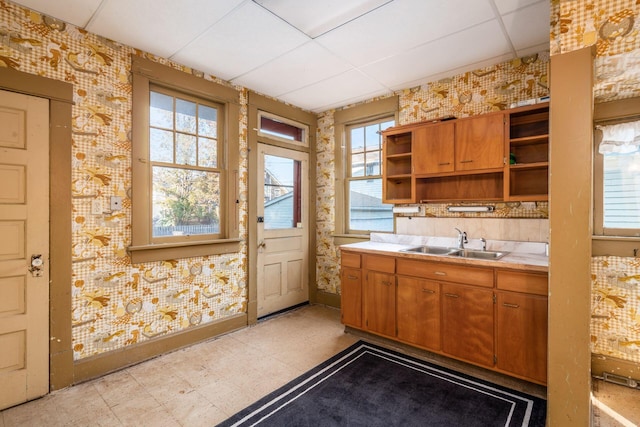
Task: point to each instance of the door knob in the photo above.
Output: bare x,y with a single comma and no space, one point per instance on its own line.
36,265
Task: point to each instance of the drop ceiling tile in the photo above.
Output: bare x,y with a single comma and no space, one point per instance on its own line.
76,12
317,17
506,6
242,41
337,90
402,25
160,27
445,54
302,66
529,26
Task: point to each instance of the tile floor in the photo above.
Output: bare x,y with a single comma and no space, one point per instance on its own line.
208,382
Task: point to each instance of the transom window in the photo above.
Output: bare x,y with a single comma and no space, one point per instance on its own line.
366,212
282,129
185,163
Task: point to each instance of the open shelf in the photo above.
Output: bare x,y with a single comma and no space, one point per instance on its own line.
481,187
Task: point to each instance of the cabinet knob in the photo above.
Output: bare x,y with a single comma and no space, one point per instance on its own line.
452,295
466,161
439,273
428,291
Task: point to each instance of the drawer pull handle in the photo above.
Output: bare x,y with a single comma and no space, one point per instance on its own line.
350,277
386,283
452,295
428,291
466,161
439,273
444,164
506,304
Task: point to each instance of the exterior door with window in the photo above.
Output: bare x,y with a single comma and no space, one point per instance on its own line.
282,232
24,248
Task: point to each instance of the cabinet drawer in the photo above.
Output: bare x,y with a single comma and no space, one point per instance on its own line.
380,263
522,281
446,272
350,260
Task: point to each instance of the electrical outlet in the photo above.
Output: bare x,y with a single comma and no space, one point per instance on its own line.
116,203
96,207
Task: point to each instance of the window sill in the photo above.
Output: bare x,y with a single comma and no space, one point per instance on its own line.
343,239
165,251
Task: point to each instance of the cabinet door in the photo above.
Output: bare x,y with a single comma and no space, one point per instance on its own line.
351,297
433,148
418,318
380,303
480,142
467,323
521,335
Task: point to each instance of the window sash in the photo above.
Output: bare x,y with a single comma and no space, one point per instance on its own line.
368,150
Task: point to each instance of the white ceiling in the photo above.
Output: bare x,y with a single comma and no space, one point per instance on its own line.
318,54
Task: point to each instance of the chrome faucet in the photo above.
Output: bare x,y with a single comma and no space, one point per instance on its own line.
484,243
462,238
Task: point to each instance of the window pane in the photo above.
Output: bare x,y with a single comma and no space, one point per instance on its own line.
185,202
622,190
185,116
161,110
207,121
357,165
386,125
366,210
161,145
372,137
357,140
281,129
282,207
185,149
207,153
373,163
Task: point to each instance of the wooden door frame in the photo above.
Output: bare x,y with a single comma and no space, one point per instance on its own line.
60,96
257,103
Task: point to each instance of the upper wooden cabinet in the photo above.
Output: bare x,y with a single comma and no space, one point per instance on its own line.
501,156
433,150
480,142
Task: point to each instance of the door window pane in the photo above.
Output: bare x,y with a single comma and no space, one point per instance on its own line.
282,198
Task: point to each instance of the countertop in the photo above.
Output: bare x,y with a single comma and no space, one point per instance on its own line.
529,256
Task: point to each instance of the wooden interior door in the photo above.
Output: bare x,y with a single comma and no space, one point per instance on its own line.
283,229
24,248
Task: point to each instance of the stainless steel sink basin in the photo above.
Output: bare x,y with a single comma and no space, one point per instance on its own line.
472,253
464,253
433,250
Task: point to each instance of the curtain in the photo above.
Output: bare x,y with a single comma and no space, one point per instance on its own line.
622,138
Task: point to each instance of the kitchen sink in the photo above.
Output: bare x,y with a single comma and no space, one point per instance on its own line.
463,253
432,250
472,253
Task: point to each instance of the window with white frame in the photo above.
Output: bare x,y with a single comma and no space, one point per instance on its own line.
365,211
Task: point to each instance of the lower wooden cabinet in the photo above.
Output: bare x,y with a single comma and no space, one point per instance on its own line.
351,296
467,323
380,303
418,317
521,335
491,317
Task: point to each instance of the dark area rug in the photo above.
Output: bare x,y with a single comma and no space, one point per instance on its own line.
368,385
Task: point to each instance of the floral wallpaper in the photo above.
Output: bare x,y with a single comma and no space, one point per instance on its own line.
114,302
615,307
613,27
472,93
